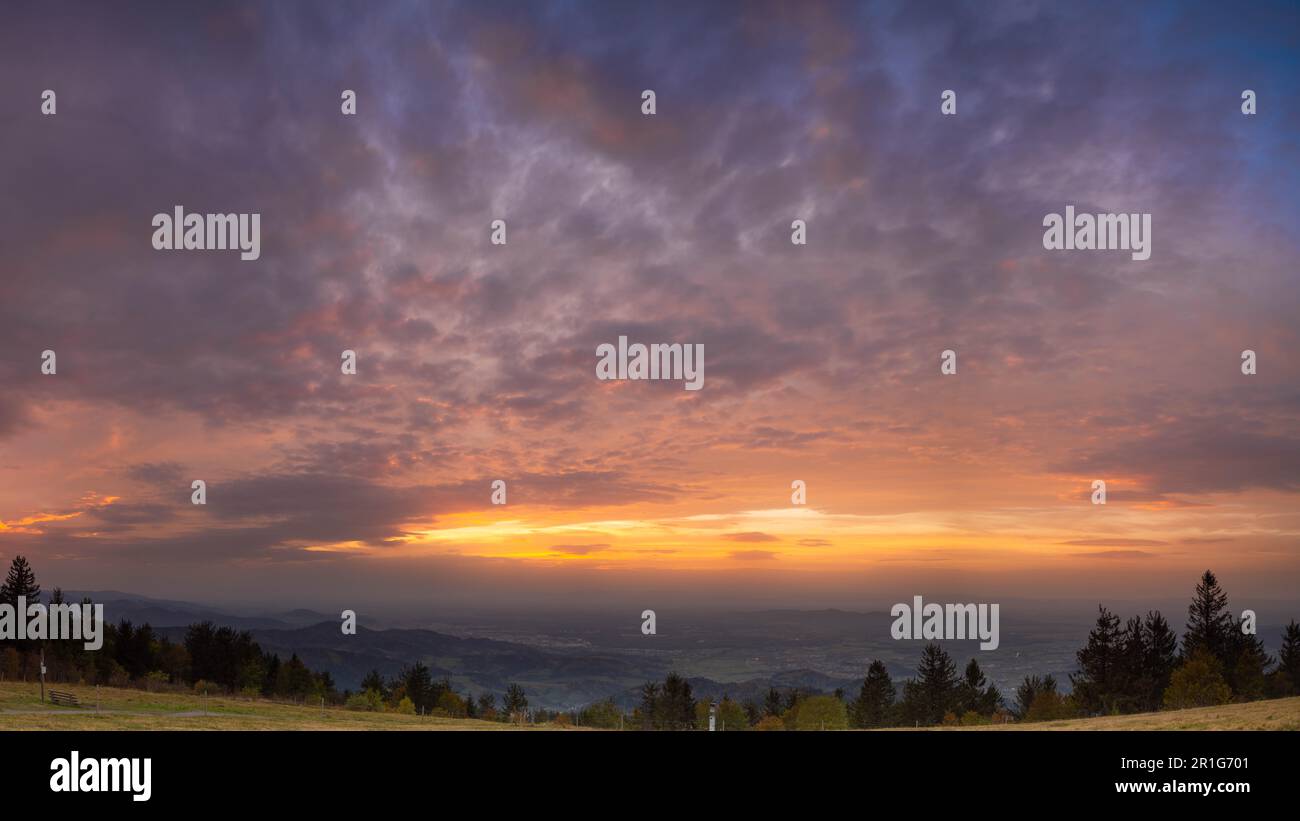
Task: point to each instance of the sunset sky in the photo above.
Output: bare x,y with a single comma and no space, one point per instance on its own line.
477,362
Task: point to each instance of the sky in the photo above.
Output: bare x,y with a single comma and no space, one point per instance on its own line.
476,362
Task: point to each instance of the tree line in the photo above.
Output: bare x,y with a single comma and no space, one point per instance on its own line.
415,691
215,659
1132,666
210,659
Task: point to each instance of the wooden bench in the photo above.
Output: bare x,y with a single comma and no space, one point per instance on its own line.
65,699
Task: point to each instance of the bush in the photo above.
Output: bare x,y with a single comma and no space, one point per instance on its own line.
1050,705
204,688
770,723
822,713
369,701
452,705
1198,683
406,706
603,714
119,677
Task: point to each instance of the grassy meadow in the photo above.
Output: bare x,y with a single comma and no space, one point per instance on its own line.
126,709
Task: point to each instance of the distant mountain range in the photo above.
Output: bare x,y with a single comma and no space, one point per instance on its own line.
572,659
553,674
168,613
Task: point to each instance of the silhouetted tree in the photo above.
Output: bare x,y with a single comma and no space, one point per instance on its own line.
934,692
1097,684
1288,667
976,694
1209,624
516,705
21,581
772,703
1161,646
871,707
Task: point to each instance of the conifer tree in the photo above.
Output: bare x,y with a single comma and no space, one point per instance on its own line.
1095,684
516,702
1247,675
977,695
1289,658
1161,659
772,704
21,581
935,691
1209,624
871,707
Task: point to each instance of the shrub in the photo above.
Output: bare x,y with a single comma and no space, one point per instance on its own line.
822,713
1198,683
369,701
204,688
1050,705
770,723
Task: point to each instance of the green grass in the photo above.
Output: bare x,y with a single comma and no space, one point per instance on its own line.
125,709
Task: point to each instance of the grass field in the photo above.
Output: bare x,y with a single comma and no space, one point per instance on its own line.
1275,714
21,709
124,709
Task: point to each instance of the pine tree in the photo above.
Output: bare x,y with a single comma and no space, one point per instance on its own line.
1209,624
649,706
1248,673
374,681
1161,659
676,705
935,691
21,581
772,704
1289,659
871,707
516,705
1095,685
1132,680
792,699
977,695
420,688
